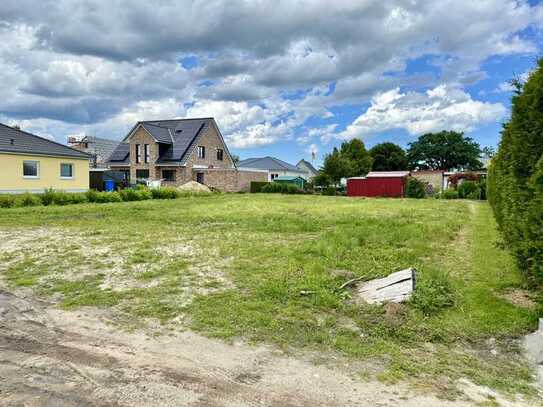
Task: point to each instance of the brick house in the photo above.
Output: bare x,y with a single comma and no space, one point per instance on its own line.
180,150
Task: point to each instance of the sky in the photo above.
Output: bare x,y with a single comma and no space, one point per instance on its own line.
281,78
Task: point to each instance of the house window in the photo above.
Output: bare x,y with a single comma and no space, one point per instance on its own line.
168,175
66,170
31,169
138,153
142,174
220,154
146,153
201,152
273,176
200,177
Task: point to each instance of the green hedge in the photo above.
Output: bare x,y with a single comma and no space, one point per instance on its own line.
256,186
281,188
515,178
53,197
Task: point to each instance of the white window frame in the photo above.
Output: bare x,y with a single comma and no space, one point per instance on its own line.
222,154
73,170
37,176
273,175
138,153
146,153
201,152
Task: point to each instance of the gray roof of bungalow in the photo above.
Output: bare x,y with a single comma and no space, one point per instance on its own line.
268,163
17,141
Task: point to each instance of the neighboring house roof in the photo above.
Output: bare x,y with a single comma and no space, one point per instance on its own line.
13,140
268,163
287,178
178,136
99,148
307,165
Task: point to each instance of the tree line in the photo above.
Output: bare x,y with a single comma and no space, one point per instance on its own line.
445,150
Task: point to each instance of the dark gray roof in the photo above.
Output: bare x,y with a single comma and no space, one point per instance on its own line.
160,134
307,164
268,163
100,149
17,141
177,137
120,155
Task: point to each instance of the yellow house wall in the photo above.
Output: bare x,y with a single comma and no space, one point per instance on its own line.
12,180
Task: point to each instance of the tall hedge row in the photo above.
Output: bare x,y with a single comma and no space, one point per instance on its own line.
515,180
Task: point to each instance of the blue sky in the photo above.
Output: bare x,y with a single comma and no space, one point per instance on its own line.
281,78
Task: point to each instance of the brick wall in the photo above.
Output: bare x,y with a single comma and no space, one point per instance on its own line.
229,180
211,141
141,137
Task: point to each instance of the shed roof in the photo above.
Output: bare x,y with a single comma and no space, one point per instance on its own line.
287,178
17,141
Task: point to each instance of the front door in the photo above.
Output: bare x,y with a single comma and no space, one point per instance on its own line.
200,177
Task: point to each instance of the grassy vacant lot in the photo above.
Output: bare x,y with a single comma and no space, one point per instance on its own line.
234,266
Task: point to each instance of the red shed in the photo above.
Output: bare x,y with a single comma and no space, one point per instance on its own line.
378,183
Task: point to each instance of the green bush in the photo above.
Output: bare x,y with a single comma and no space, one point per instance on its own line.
513,190
28,199
292,189
256,186
433,292
272,188
92,195
138,194
468,188
105,197
48,197
449,194
165,193
330,191
7,201
415,188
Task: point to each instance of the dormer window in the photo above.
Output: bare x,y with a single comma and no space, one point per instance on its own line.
201,152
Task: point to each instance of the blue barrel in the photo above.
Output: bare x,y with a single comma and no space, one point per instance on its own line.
109,185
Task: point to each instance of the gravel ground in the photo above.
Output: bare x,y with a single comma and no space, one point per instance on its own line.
51,357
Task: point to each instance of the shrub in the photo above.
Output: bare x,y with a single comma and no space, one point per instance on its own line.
256,186
292,189
513,190
433,293
48,197
138,194
449,194
165,193
7,201
28,199
272,188
104,197
415,188
330,191
92,195
468,188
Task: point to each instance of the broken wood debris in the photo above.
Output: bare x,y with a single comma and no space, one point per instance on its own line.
396,287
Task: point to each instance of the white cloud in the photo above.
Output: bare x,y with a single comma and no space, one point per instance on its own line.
441,108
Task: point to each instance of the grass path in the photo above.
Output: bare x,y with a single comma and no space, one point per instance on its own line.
233,266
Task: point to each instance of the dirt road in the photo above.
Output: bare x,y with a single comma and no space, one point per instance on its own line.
50,357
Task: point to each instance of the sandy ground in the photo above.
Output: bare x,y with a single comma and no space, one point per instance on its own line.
50,357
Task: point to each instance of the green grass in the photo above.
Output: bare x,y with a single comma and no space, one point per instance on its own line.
250,257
